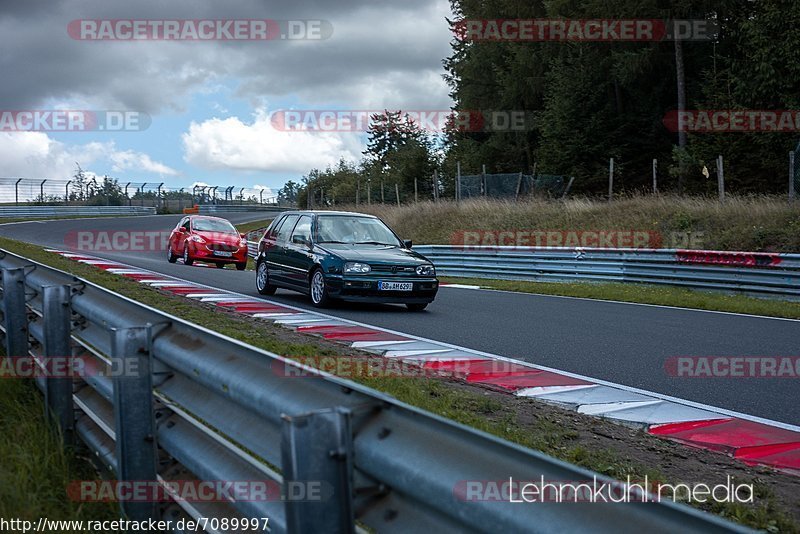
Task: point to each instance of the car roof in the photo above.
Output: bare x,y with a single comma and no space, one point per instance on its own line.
208,217
327,212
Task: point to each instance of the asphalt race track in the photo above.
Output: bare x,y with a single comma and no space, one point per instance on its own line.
623,343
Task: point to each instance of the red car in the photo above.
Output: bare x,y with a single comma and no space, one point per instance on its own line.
207,239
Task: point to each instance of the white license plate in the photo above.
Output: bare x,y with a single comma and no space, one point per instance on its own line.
223,253
395,286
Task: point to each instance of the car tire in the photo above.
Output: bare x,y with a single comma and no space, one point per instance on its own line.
220,266
416,307
262,284
241,266
186,259
172,258
318,290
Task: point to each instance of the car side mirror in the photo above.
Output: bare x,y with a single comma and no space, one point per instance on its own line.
301,240
243,236
407,243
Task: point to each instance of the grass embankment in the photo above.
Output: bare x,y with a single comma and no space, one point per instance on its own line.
754,224
35,468
596,444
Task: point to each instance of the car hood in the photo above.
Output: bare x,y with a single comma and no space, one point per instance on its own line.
375,254
219,237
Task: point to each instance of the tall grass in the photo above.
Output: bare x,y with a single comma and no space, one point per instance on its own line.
752,223
36,469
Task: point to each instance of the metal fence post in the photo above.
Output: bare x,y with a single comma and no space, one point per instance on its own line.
720,179
655,176
58,390
611,179
566,189
136,449
458,183
16,318
317,463
791,176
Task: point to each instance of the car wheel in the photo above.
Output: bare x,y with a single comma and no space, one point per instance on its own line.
172,258
319,291
241,266
186,259
262,280
220,266
416,307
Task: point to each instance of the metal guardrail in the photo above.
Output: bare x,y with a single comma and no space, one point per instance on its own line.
67,211
208,407
222,208
760,274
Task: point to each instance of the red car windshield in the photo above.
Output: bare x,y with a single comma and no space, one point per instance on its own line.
213,225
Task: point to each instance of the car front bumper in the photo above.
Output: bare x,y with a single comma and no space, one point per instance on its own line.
364,288
202,253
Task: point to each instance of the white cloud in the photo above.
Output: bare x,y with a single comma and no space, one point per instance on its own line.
37,155
138,161
235,145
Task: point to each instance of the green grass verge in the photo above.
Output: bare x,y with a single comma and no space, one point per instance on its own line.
253,225
461,404
644,294
36,469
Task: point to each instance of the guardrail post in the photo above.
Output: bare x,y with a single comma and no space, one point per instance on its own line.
317,458
58,390
136,448
15,316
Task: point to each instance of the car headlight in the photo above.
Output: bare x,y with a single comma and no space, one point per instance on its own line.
357,268
197,239
426,270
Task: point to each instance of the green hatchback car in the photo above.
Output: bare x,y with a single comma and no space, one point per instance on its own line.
334,255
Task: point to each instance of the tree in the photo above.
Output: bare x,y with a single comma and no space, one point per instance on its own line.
288,193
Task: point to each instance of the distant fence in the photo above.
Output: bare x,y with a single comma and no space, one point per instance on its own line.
760,274
511,185
155,194
68,211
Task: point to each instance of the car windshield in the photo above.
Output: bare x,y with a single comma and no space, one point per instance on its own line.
354,230
213,225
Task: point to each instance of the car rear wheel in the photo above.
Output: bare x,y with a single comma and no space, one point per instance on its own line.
416,307
172,258
241,266
319,291
262,279
186,259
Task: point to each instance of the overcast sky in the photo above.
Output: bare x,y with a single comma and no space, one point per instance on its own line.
210,101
